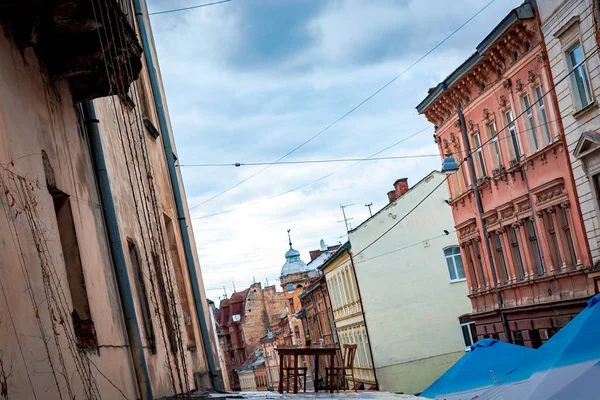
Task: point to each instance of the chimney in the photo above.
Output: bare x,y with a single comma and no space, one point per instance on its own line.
392,195
401,186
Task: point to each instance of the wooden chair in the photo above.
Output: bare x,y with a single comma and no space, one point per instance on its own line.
289,375
348,355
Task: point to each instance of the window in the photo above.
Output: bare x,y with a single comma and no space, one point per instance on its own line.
477,248
479,155
500,256
579,77
495,144
82,318
292,309
514,138
166,309
518,338
467,327
553,239
297,332
455,264
542,111
514,241
142,296
567,232
177,268
535,247
529,112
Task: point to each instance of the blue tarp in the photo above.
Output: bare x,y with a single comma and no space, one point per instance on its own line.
566,367
477,369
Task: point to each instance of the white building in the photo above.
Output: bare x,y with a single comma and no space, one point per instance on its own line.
412,285
570,30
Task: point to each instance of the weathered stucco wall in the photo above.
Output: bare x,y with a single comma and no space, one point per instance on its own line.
38,117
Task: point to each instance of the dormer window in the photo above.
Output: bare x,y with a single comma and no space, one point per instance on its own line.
515,56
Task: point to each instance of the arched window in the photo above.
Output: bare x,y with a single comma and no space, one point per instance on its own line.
456,270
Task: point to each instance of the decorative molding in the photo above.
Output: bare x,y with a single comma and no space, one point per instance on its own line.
506,84
541,58
531,76
503,102
519,85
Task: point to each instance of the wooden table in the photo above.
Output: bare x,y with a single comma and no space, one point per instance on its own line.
304,351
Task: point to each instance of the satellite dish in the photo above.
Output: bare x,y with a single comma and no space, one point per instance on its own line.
323,245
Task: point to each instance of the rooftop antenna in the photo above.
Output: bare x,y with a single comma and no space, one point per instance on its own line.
346,219
224,291
253,280
267,281
233,286
369,206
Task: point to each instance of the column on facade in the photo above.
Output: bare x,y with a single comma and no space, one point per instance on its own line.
526,255
566,205
542,232
464,254
562,245
511,268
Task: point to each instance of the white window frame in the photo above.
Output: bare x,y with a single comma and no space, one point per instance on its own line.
529,111
577,95
473,340
451,258
495,144
479,151
539,94
514,134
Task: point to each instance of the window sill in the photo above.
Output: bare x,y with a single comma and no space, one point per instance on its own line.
582,111
458,280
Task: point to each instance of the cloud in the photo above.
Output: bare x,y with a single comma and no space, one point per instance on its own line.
249,81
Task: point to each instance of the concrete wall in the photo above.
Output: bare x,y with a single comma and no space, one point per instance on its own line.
411,308
37,115
555,16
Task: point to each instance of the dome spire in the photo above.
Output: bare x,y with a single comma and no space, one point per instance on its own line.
289,238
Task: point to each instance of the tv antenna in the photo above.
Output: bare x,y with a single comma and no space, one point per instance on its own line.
369,207
346,219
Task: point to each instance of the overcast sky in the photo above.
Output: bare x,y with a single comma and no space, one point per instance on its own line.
249,80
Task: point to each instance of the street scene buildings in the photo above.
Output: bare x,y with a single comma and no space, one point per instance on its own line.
481,280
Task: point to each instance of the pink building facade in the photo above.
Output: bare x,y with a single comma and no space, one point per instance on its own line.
530,208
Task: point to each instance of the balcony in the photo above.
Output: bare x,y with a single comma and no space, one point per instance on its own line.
89,43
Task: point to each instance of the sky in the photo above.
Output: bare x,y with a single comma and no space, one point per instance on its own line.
250,80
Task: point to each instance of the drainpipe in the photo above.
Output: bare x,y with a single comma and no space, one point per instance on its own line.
181,218
117,253
362,310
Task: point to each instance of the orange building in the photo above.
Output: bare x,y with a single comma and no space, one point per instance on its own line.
537,242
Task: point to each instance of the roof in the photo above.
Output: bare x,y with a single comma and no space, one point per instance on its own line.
475,371
317,262
567,366
524,11
387,206
335,255
293,263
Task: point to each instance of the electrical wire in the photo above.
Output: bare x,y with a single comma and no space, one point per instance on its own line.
472,152
314,181
188,8
350,111
335,160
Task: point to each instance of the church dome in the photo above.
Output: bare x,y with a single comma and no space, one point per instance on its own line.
293,263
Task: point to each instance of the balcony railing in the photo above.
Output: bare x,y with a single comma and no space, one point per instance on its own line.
89,43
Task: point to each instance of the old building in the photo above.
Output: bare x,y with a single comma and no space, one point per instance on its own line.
295,276
571,35
533,277
346,310
102,295
412,286
243,320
